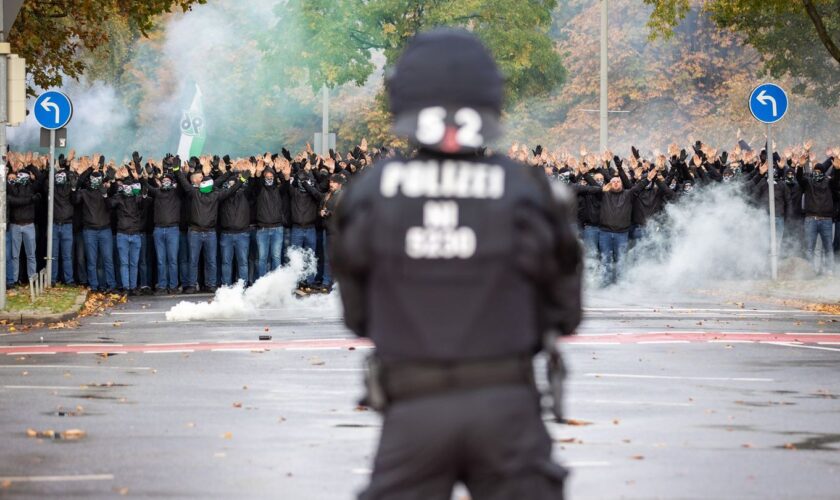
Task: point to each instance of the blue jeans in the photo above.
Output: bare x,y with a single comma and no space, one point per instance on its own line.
637,232
21,235
269,244
128,246
780,233
144,269
183,258
99,242
823,228
207,241
327,280
591,235
62,245
305,238
167,242
239,244
613,247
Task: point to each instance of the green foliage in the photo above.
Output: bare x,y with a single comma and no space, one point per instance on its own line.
780,30
336,42
52,36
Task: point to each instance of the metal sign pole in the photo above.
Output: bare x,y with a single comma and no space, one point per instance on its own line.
3,162
50,207
771,181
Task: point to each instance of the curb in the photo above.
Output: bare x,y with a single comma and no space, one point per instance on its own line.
32,317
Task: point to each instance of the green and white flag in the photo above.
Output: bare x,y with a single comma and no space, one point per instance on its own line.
193,131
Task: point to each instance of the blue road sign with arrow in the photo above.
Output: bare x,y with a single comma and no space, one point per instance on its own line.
53,110
768,103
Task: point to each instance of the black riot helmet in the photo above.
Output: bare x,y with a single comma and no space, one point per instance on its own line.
446,92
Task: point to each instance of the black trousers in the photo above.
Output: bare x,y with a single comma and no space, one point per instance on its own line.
492,440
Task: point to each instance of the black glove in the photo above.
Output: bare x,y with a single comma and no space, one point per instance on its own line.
150,170
617,161
723,157
245,174
110,174
193,163
683,155
538,150
137,159
215,162
36,197
332,154
226,159
102,162
286,154
176,163
74,181
635,152
253,160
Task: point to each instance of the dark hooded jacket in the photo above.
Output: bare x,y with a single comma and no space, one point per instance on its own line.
272,202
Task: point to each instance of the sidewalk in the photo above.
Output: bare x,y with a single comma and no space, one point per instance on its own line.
55,305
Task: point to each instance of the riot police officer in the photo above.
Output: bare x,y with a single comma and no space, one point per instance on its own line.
456,266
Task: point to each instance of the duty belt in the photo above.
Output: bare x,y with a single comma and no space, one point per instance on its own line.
406,381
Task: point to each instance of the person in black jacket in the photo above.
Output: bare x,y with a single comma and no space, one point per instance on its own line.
271,193
616,212
235,225
63,211
328,207
92,198
795,222
203,198
305,199
819,209
167,218
760,190
127,204
456,267
23,192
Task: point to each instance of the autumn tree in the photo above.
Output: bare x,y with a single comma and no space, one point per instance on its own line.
336,41
56,36
797,38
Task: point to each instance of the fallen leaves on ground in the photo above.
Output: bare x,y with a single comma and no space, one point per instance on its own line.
790,446
227,435
69,434
6,484
638,457
237,405
574,421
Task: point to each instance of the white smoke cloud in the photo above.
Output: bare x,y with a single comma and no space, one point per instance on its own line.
273,291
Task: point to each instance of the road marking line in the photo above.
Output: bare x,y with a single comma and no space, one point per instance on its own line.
103,351
103,344
618,402
314,348
586,464
79,367
166,352
664,342
234,349
672,377
27,353
173,343
828,343
594,343
48,387
791,344
731,341
53,479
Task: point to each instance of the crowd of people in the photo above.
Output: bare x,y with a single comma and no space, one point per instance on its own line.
184,225
620,199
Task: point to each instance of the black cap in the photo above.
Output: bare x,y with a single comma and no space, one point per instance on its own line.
450,69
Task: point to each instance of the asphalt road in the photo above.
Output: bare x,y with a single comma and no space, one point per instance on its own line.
689,397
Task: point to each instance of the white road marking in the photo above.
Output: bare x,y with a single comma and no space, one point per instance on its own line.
730,341
619,402
664,342
174,343
578,465
592,343
48,387
167,352
55,479
828,343
78,367
671,377
314,348
27,353
234,349
799,345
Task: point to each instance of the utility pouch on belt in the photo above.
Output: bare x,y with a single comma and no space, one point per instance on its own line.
375,397
556,373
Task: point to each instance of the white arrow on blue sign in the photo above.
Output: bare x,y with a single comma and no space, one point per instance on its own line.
53,110
768,103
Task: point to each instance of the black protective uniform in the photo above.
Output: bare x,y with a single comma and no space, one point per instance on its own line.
94,203
456,266
204,207
272,203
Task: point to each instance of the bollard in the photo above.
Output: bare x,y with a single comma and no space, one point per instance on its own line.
32,288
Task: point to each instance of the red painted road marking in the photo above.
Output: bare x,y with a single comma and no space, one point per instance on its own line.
316,344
